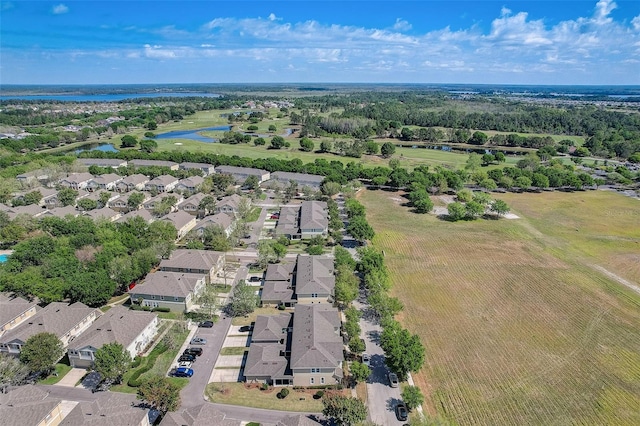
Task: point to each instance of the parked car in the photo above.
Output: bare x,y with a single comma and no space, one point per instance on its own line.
206,324
185,364
184,357
255,279
402,412
193,351
198,341
183,372
245,328
366,359
393,380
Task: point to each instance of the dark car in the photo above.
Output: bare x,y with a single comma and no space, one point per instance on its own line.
193,351
244,328
402,412
185,357
206,324
255,279
183,372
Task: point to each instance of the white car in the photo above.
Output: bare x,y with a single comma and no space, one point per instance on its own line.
366,359
185,364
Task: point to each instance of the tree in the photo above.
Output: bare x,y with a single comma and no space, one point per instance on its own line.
306,144
326,146
482,198
67,196
152,125
266,254
251,182
161,393
207,205
272,127
135,200
215,238
473,162
478,138
259,141
499,157
356,344
112,360
523,182
87,204
41,352
403,351
148,145
330,189
360,229
388,149
277,142
209,301
280,250
500,208
464,195
129,141
372,148
12,371
359,371
487,159
244,299
412,396
344,410
474,210
32,197
456,211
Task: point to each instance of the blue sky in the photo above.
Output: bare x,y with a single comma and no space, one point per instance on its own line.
231,41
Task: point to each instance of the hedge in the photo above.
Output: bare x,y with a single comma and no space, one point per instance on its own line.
161,309
134,381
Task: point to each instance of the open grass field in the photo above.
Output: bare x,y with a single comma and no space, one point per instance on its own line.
518,327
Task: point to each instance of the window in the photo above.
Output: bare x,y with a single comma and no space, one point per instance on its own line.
322,380
315,370
312,380
314,294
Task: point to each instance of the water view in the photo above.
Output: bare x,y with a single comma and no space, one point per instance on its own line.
106,97
104,147
193,134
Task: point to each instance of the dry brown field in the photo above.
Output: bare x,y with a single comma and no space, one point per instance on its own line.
519,325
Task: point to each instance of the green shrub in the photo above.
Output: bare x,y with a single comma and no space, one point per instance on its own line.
134,381
264,386
284,392
161,309
136,362
318,394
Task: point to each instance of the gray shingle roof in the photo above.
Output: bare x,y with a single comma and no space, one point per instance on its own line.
163,180
57,318
144,214
13,307
136,179
26,406
265,359
192,181
300,178
297,420
271,328
232,170
146,163
280,271
78,177
118,324
107,409
192,259
221,219
204,414
315,341
179,219
103,213
314,274
313,215
277,292
169,284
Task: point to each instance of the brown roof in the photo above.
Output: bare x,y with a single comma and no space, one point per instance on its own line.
170,284
57,318
315,342
118,324
27,405
192,259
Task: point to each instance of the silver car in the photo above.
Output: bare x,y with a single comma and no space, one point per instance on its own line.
198,341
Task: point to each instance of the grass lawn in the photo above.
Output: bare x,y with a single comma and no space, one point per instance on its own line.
61,370
160,367
236,350
254,214
518,325
252,316
238,394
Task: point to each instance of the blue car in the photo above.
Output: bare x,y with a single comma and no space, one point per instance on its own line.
183,372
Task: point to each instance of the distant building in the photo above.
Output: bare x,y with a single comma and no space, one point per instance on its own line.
106,182
131,183
222,220
309,219
76,181
174,290
164,183
103,162
190,184
154,163
242,173
301,179
207,169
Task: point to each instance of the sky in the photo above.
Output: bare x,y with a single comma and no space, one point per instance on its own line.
234,41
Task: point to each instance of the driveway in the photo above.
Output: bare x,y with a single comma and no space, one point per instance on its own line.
72,377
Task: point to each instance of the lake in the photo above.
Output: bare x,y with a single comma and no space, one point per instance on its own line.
104,147
192,134
107,97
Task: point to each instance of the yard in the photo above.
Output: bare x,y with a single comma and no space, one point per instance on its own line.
519,324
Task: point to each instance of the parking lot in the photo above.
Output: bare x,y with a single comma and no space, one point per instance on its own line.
228,368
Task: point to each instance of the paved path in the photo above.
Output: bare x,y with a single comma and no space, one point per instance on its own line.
72,377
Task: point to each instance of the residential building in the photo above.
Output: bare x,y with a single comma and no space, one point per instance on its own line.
241,174
53,201
222,220
61,212
182,221
207,169
114,163
30,405
164,183
106,182
154,163
14,311
228,204
109,409
308,220
174,290
131,183
97,196
315,281
204,414
35,175
297,420
301,179
316,345
121,202
65,321
44,192
202,262
144,214
190,184
76,181
134,330
32,210
278,285
267,360
104,213
192,204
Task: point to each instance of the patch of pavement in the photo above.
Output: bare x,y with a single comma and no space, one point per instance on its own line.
72,377
231,341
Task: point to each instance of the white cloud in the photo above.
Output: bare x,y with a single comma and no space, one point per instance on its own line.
603,9
272,17
60,9
402,25
636,23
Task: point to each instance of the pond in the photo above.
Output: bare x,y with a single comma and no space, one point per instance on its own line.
104,147
192,134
